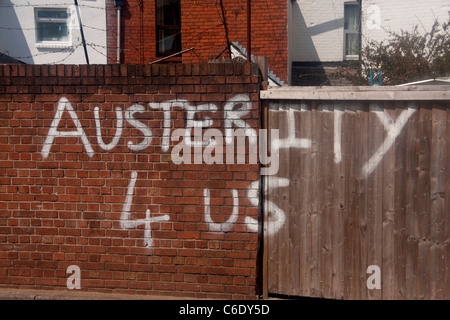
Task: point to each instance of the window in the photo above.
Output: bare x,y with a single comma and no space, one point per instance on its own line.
168,27
352,27
52,26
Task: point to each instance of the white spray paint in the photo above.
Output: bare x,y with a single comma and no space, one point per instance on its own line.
264,158
231,118
277,215
291,141
393,129
166,107
198,143
337,134
227,225
126,223
118,133
53,132
253,197
252,224
199,124
137,108
234,117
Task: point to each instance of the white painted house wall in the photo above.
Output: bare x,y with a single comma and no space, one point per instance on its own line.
316,31
381,16
18,35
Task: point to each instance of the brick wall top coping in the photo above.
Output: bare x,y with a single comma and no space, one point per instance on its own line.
130,70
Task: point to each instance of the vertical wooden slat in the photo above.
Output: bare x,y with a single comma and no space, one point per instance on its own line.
305,205
326,182
298,190
375,193
284,201
424,202
338,212
281,203
347,145
315,202
293,192
351,273
353,225
273,238
437,206
388,268
355,185
411,204
301,190
263,197
271,242
399,206
446,277
277,191
320,196
363,210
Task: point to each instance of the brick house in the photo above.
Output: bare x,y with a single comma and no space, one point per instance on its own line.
151,30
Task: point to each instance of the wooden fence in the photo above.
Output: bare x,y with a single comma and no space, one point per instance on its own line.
360,207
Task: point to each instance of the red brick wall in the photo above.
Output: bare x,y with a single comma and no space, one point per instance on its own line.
202,29
137,33
62,205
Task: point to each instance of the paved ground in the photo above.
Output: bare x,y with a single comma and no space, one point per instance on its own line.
28,294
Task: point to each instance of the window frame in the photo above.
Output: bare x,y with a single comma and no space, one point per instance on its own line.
53,43
167,27
352,31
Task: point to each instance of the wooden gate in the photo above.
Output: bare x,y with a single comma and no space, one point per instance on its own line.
360,206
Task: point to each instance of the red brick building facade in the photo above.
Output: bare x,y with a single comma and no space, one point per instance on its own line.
201,25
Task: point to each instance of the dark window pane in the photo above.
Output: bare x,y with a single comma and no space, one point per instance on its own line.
351,17
51,31
168,41
351,44
168,12
52,14
352,25
168,26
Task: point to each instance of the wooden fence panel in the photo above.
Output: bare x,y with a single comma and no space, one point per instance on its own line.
362,185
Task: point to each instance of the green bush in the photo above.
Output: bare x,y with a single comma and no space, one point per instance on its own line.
406,56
